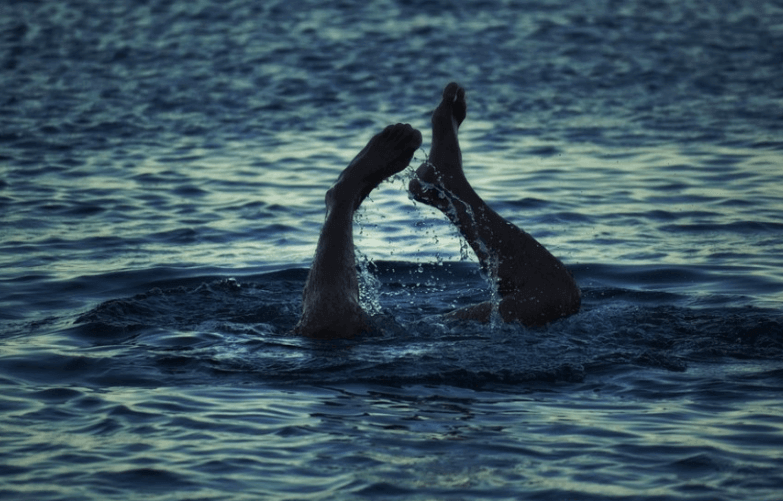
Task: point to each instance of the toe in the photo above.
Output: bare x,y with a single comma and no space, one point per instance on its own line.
389,131
453,103
405,133
451,90
417,137
460,106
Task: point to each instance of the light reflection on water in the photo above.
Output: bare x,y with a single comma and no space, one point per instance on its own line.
150,150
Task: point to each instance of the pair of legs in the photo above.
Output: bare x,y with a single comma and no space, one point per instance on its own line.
535,288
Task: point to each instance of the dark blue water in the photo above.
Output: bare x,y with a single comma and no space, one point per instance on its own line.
163,170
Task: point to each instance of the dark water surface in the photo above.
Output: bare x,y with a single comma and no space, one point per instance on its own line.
163,166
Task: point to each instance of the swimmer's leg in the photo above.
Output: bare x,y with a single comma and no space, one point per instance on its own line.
330,301
535,287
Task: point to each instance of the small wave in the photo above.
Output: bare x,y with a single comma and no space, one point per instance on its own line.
741,227
241,329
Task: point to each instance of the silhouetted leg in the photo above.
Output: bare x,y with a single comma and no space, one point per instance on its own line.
330,301
535,287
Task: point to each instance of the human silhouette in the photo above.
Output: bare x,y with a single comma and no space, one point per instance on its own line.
535,288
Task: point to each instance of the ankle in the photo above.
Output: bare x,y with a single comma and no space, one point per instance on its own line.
340,195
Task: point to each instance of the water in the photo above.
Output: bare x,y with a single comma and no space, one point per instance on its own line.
163,171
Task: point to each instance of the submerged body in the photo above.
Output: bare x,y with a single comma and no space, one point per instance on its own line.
535,287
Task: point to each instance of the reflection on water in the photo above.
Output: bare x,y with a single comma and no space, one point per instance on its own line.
151,150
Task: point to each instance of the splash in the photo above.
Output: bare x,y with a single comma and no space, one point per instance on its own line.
490,272
369,285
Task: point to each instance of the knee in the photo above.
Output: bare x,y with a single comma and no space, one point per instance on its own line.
542,309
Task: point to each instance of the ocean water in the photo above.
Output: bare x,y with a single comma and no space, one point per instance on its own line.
163,166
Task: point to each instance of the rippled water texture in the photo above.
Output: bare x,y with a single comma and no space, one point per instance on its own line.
162,172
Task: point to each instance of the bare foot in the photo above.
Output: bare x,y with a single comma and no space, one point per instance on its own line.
441,176
330,300
386,154
534,286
